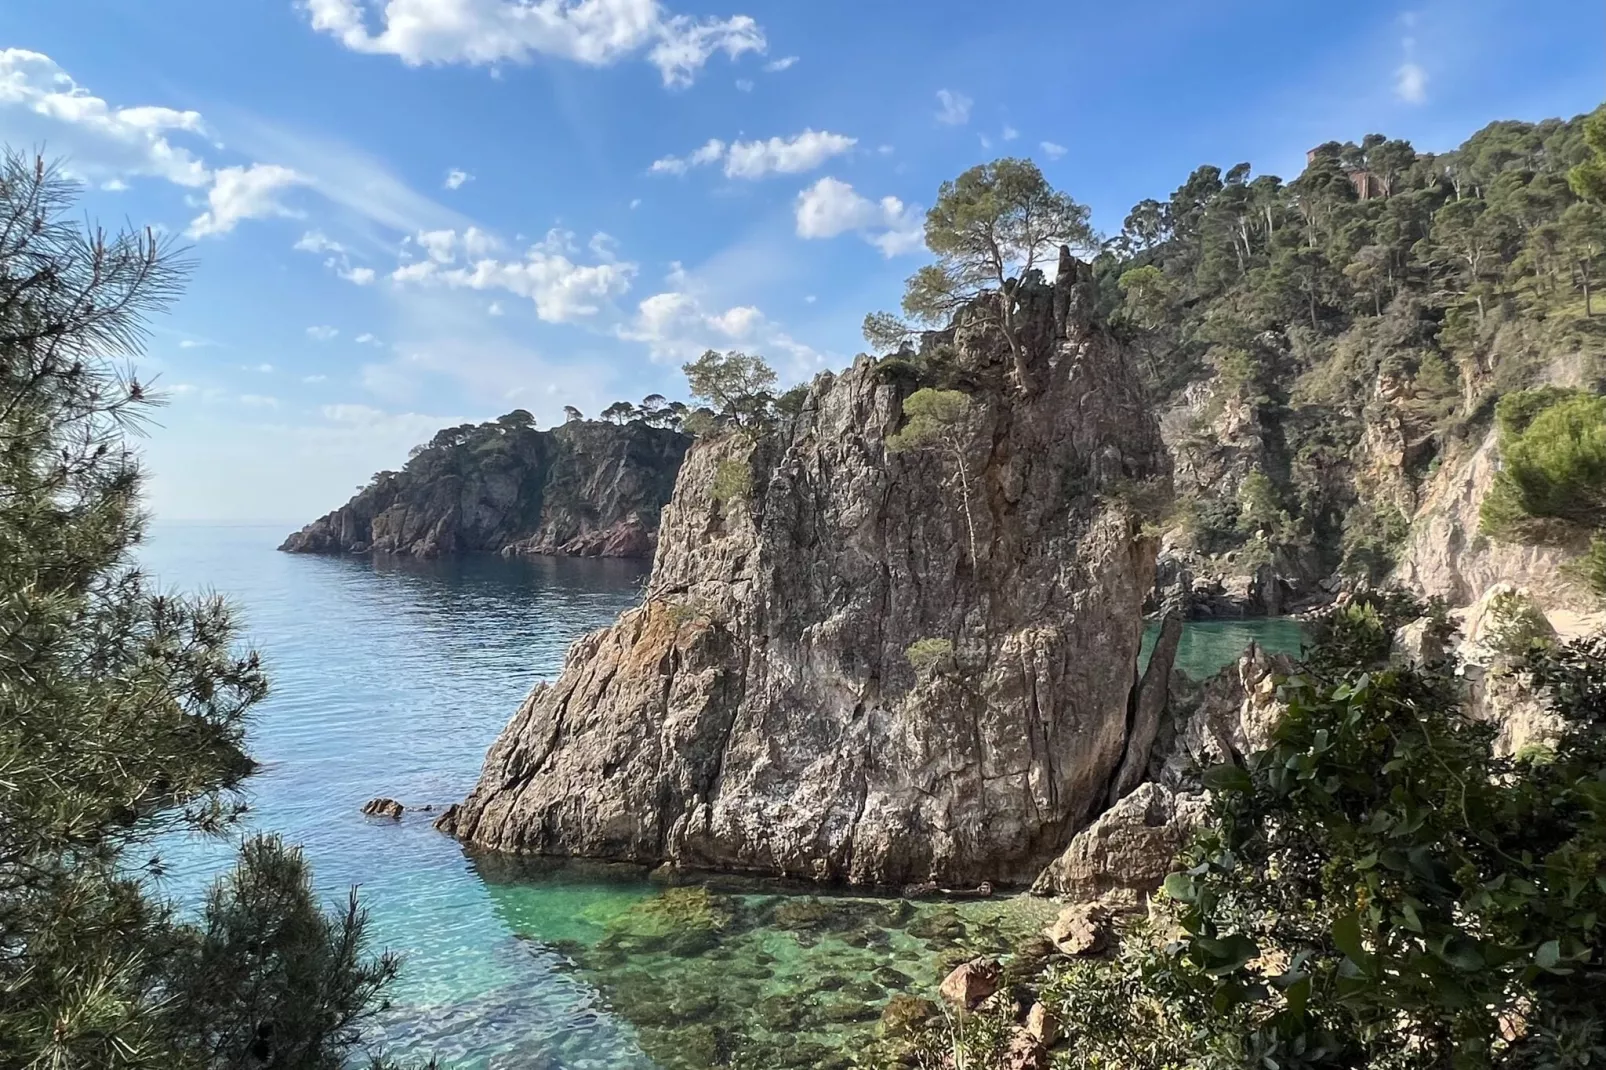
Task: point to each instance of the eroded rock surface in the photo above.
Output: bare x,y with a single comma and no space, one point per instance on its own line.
760,713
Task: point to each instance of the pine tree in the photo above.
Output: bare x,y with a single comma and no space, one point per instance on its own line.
122,711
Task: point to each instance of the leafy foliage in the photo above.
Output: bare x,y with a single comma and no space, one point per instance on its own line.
735,385
929,654
1553,463
123,712
994,223
733,482
1381,287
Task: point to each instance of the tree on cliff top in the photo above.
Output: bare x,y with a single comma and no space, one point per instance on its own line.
122,713
734,384
995,223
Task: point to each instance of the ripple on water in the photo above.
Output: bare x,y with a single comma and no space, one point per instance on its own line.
392,678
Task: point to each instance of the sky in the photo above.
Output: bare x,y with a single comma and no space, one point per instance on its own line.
405,214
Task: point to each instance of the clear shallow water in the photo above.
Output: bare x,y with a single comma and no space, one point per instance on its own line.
392,678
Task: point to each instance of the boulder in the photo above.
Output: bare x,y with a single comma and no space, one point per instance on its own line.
1025,1052
1081,929
971,982
383,808
1044,1025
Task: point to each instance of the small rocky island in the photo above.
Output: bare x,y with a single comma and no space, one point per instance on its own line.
587,488
864,663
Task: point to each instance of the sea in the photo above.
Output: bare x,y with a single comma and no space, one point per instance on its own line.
391,678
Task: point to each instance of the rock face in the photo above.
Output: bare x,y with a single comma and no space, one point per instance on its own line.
1446,556
760,712
1125,854
587,489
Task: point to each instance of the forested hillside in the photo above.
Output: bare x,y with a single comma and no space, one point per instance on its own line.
1323,347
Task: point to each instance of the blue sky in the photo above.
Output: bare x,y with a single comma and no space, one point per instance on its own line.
410,213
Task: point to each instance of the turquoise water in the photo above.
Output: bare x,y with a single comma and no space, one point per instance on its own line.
392,678
1209,645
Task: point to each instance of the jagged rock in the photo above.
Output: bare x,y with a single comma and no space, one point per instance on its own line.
1044,1025
760,713
1126,853
1148,704
383,808
1082,929
971,982
585,489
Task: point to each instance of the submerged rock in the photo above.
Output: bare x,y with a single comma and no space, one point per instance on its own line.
383,808
760,712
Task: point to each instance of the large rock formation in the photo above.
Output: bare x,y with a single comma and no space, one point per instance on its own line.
586,489
760,711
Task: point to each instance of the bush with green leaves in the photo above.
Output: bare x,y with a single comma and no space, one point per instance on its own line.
123,714
733,482
929,654
1552,465
1378,888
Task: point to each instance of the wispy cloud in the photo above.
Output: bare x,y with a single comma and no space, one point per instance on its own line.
953,108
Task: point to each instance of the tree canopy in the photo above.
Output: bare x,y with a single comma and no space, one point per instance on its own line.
995,223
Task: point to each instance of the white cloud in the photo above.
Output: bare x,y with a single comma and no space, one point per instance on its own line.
313,378
781,64
676,326
323,333
1410,78
1010,133
635,202
456,177
367,339
831,207
46,106
955,107
494,308
362,276
265,369
259,401
755,159
744,84
561,289
315,241
1053,151
191,343
244,193
488,32
1411,83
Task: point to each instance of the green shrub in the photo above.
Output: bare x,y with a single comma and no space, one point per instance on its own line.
929,655
733,482
1553,465
1516,624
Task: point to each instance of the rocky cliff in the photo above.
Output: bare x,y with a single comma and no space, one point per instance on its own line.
587,489
763,712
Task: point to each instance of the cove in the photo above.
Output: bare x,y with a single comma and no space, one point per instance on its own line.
391,678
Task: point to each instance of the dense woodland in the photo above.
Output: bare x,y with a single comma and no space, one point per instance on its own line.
1278,319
